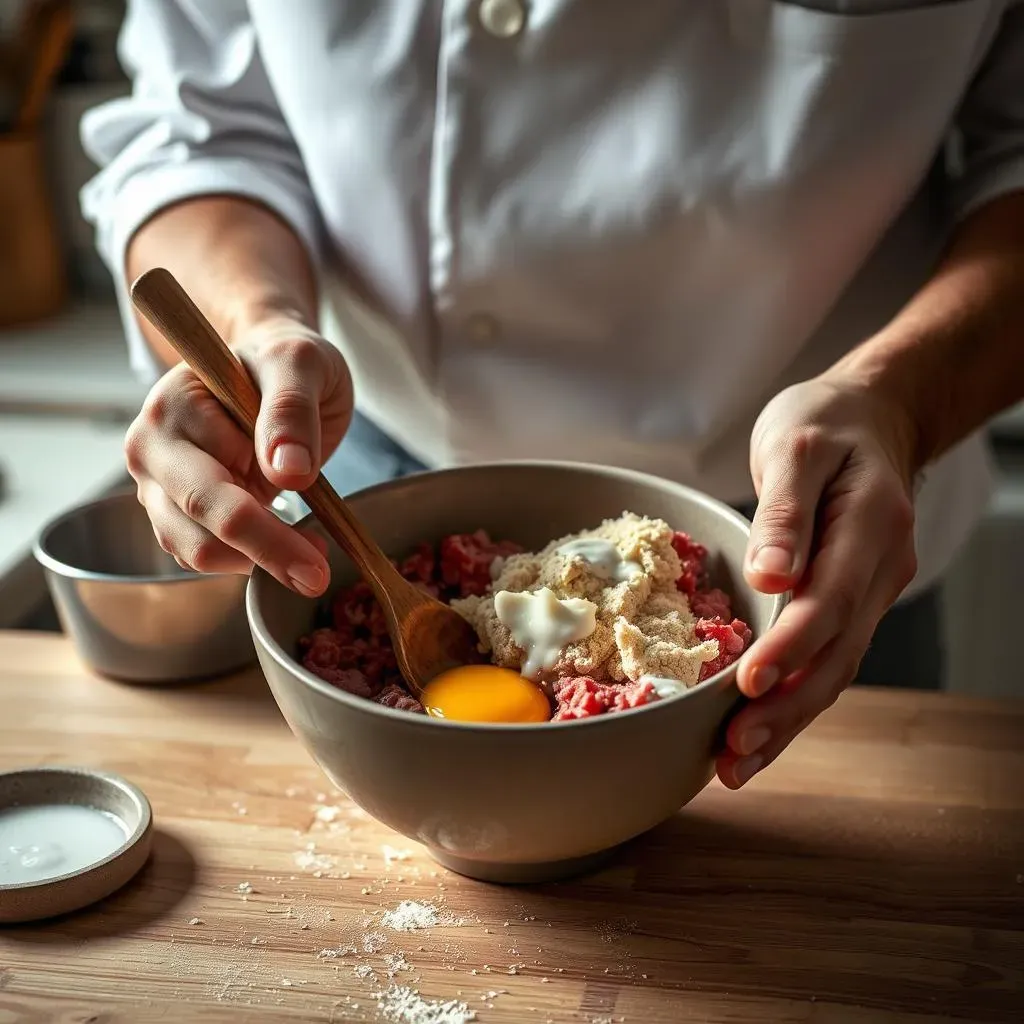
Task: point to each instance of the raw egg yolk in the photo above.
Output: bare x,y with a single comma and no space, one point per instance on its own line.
485,693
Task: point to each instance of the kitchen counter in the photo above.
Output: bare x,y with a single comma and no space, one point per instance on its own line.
876,872
66,396
74,364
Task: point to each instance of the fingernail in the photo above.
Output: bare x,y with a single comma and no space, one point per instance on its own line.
752,739
772,560
763,679
746,768
292,459
308,578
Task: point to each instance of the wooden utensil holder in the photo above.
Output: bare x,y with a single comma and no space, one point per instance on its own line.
33,275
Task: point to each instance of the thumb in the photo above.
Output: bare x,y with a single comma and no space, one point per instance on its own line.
783,527
291,375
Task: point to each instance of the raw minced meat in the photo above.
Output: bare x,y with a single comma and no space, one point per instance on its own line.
583,697
661,621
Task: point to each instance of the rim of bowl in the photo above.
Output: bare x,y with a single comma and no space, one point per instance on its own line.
61,568
309,679
136,795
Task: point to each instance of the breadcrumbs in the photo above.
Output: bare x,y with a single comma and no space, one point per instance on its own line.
644,624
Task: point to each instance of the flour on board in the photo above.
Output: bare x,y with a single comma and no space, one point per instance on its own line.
406,1006
410,916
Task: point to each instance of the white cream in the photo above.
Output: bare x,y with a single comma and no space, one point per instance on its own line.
542,625
665,687
604,556
43,842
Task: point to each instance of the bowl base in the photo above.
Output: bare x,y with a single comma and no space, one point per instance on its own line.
505,873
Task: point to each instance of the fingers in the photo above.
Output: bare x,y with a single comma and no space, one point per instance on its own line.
212,503
835,592
192,546
796,474
764,728
294,376
203,481
865,532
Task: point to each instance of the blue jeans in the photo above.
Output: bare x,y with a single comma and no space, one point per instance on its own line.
906,650
367,456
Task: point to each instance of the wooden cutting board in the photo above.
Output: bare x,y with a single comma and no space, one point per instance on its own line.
875,873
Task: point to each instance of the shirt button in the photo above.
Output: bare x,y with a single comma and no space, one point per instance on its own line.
483,328
502,18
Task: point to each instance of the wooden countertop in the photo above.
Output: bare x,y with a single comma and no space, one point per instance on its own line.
876,873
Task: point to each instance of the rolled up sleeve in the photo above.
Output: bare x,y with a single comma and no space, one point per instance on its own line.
990,125
201,119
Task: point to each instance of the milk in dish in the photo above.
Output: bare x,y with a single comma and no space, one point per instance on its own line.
44,841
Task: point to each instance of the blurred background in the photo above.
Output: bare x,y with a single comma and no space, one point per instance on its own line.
66,393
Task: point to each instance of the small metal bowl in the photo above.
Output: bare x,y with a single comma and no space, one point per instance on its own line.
62,894
133,613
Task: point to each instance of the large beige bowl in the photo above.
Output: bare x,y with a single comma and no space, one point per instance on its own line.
511,803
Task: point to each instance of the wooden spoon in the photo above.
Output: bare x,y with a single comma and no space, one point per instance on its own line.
428,636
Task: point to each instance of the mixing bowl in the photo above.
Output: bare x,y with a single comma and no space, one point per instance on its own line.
131,611
512,803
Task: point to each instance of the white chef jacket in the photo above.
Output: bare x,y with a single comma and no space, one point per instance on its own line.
584,229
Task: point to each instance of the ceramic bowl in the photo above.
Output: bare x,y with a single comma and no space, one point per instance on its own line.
131,611
64,892
512,803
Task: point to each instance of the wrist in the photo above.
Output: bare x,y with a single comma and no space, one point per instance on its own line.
268,311
891,388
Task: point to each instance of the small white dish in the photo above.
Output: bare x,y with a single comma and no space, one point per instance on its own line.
118,806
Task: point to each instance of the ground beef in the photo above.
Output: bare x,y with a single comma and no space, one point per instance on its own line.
583,697
711,604
692,555
732,638
467,560
393,696
354,651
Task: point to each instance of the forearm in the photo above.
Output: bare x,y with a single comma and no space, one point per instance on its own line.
954,356
237,260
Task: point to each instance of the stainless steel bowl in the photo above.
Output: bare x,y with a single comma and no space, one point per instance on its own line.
131,611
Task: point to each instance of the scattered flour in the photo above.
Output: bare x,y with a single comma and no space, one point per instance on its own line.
309,860
396,962
327,813
390,855
410,916
334,954
406,1006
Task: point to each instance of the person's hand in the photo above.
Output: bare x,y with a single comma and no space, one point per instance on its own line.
832,465
204,483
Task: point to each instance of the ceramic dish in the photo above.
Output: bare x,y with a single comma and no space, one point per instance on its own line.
512,803
99,791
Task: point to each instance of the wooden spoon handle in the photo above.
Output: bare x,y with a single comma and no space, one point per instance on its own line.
168,307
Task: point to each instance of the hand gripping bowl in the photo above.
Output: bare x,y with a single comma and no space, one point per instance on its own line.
512,803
